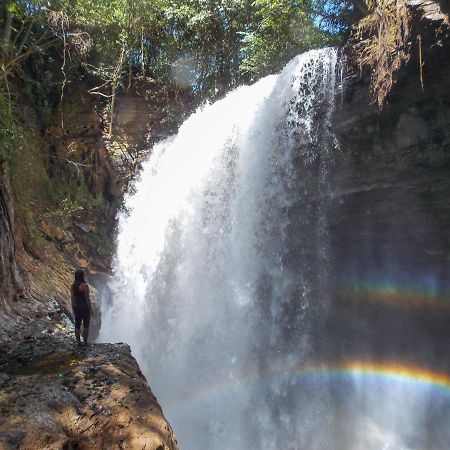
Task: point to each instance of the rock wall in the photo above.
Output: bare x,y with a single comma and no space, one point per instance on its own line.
144,113
52,394
10,280
392,167
389,216
74,144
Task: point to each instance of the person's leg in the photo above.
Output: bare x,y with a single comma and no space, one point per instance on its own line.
77,328
85,335
86,320
77,336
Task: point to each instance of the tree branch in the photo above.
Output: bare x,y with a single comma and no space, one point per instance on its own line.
9,66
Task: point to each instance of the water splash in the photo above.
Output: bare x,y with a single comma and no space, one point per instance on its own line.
222,271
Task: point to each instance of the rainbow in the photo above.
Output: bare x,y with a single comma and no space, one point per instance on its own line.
390,291
393,372
402,373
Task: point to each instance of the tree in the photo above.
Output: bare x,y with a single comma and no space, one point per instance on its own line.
207,46
25,33
279,30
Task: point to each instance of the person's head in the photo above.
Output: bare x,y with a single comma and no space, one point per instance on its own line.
80,275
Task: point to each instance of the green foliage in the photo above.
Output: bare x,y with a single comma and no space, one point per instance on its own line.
207,46
283,30
64,210
20,152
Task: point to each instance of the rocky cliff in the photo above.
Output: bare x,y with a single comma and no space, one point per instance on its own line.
389,214
10,282
52,394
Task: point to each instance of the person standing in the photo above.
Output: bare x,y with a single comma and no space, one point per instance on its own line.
81,305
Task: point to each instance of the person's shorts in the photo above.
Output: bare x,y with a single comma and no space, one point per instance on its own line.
82,315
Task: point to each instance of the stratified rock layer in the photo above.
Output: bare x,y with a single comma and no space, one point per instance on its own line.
389,217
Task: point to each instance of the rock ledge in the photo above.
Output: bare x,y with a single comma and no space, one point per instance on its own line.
54,395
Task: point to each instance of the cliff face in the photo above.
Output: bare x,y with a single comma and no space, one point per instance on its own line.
52,394
394,163
69,215
389,216
10,281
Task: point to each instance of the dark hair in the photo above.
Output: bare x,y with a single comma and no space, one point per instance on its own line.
80,275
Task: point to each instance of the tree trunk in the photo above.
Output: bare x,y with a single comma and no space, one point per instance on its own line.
7,30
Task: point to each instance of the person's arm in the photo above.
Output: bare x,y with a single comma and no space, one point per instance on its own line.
88,298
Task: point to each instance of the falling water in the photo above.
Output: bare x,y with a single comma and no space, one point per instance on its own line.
221,280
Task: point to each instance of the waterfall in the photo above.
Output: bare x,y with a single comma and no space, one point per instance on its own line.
221,278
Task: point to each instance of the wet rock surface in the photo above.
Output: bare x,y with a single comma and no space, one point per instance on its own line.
388,219
55,395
